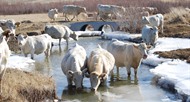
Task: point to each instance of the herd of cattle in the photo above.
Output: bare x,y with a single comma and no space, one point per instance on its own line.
76,64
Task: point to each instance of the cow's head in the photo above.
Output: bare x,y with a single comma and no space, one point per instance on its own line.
9,24
145,20
21,39
74,36
77,77
56,11
154,30
6,34
143,50
95,80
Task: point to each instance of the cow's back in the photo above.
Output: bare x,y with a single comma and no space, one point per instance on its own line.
102,60
74,59
38,43
121,52
55,31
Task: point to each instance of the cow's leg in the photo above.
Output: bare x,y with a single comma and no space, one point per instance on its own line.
3,69
162,26
25,55
117,72
32,54
67,41
47,52
135,72
112,75
128,71
59,41
73,18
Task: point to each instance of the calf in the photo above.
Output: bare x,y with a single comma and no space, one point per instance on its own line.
35,44
53,13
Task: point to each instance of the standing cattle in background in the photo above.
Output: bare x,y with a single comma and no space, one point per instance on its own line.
53,13
59,32
72,10
154,20
9,24
100,63
127,55
149,34
4,54
74,65
109,11
151,10
35,44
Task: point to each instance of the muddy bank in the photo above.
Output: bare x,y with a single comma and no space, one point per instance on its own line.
21,86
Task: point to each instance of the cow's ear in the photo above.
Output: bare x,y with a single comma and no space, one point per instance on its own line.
135,46
17,24
2,23
70,73
6,33
151,28
84,70
102,76
25,36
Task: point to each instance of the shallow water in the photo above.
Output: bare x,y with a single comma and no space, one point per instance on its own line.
141,89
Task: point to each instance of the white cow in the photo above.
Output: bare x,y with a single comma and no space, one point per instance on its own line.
100,63
110,11
4,54
74,65
149,34
154,20
35,44
53,14
9,24
151,10
59,32
127,55
74,10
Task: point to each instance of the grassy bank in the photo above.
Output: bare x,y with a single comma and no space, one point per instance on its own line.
20,86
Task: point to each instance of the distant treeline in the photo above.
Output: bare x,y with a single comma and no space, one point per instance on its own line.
91,5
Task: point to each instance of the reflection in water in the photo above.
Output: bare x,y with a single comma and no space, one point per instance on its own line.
119,82
70,93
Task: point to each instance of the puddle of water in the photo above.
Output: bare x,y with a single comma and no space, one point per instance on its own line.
131,90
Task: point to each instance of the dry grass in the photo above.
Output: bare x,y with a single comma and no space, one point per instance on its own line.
182,54
19,86
177,23
43,6
178,15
